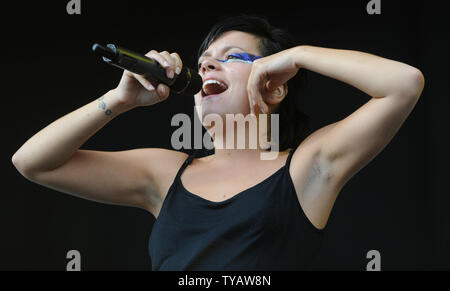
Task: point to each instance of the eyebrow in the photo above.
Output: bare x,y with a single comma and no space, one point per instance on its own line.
227,48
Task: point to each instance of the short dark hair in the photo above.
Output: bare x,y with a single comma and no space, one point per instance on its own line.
294,124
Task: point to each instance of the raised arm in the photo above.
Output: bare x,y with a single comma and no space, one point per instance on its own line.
53,157
336,152
347,145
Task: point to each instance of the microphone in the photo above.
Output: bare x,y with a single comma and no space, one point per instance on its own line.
188,82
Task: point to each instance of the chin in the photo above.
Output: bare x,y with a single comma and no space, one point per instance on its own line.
220,104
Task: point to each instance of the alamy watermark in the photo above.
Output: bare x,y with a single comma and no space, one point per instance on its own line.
74,264
373,7
375,261
73,7
255,126
75,260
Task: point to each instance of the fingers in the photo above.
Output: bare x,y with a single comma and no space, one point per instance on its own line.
162,60
163,91
144,82
171,62
255,88
173,65
178,62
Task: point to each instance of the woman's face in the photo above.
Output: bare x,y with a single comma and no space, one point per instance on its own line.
225,83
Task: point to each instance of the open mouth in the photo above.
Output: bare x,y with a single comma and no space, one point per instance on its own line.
213,87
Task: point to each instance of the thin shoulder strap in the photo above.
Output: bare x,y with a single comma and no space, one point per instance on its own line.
185,164
288,160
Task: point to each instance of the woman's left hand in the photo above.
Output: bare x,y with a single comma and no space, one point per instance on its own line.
267,75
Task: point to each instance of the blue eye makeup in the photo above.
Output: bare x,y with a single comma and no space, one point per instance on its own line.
240,57
237,57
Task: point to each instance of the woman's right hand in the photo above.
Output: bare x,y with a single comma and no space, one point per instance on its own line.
135,90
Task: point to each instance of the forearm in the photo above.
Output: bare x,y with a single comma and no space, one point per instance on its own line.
55,144
376,76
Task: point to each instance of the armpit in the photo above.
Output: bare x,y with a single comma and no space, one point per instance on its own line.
319,176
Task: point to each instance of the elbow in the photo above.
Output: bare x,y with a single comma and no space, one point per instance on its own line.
17,162
21,166
413,83
419,82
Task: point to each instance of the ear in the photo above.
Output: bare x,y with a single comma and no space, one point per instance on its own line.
277,95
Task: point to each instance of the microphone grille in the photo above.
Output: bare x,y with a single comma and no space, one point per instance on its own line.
189,82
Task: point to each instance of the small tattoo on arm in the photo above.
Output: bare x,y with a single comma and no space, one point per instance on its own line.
102,106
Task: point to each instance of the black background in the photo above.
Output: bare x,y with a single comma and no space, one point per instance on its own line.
398,204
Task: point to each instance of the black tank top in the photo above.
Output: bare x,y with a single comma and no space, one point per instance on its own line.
261,228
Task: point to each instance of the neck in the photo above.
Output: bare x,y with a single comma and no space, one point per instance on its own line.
243,142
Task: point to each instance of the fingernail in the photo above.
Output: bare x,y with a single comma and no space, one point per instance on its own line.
178,70
264,109
150,87
171,74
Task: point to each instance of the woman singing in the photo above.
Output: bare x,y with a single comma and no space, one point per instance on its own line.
233,210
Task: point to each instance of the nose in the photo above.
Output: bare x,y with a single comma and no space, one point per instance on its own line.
209,64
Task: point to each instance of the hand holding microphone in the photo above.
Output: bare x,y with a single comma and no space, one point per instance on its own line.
148,79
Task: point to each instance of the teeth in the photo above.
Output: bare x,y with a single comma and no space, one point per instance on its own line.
224,86
214,82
